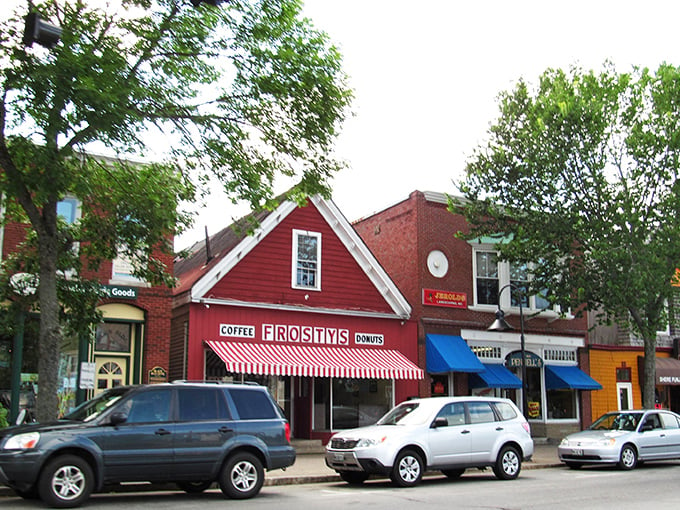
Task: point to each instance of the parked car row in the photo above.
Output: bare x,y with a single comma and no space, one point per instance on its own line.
196,434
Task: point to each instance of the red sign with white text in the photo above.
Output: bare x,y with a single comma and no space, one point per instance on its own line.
445,298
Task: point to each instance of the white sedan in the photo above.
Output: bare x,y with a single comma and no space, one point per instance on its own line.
624,438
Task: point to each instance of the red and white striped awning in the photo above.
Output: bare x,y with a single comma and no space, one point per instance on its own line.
277,359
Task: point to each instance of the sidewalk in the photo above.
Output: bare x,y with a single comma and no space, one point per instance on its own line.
311,467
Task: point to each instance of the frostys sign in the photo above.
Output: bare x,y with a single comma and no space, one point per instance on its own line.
301,334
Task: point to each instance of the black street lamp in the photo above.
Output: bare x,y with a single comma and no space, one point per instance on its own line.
500,324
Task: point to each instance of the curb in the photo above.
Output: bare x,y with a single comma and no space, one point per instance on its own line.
6,492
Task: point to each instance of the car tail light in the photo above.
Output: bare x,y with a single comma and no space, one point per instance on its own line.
527,427
288,432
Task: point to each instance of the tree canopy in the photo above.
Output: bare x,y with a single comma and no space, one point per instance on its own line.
241,93
580,176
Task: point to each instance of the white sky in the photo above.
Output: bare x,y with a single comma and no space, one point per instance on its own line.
426,75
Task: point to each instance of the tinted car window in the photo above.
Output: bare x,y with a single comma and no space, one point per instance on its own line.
454,413
252,404
505,410
149,406
201,404
480,412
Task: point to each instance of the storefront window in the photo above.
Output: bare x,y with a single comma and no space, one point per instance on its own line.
346,403
113,337
561,404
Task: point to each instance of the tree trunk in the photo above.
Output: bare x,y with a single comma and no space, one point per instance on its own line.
50,331
649,382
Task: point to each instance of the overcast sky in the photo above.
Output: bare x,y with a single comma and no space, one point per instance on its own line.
426,75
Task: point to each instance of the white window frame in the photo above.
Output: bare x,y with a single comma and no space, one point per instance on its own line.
503,280
294,260
628,386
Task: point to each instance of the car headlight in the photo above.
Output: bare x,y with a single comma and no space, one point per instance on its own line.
22,441
608,441
565,442
367,443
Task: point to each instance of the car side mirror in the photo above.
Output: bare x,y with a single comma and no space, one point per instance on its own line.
118,417
439,421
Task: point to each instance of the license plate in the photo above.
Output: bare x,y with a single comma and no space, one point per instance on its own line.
577,451
339,457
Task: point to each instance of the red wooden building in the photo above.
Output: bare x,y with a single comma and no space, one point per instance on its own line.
302,306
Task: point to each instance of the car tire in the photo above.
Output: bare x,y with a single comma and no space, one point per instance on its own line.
628,458
508,463
407,470
453,474
574,465
194,487
353,477
66,482
242,476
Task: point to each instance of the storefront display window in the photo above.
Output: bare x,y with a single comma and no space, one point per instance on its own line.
533,387
349,403
561,404
113,337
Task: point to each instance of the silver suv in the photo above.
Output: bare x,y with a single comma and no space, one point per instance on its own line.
449,434
192,434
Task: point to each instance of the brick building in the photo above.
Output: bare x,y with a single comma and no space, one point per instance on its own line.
130,346
453,286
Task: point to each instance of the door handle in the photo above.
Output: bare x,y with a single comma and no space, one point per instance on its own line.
162,432
225,430
498,429
465,431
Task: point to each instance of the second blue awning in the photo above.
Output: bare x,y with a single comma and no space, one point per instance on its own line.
559,377
494,376
448,353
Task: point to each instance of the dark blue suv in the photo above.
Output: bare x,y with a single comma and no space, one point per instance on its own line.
192,434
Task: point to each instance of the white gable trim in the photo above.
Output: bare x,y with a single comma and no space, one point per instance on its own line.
363,256
208,281
345,232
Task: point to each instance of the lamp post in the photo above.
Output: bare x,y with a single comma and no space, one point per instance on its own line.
500,324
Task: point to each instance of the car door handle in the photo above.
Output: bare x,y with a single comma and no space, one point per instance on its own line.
225,430
465,431
498,429
162,432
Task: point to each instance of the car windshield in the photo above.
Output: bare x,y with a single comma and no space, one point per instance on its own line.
88,411
408,413
617,421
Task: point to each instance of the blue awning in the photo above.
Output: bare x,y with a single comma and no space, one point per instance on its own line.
448,353
560,377
494,376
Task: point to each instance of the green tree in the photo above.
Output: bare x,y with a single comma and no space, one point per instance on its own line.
580,177
245,92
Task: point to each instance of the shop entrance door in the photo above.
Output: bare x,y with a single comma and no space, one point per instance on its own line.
625,391
109,373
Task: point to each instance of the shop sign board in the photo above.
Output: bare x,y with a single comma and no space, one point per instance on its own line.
514,360
121,291
445,298
158,375
305,334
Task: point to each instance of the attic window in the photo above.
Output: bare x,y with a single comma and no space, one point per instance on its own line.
306,260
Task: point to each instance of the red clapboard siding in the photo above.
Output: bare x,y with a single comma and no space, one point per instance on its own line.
264,275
